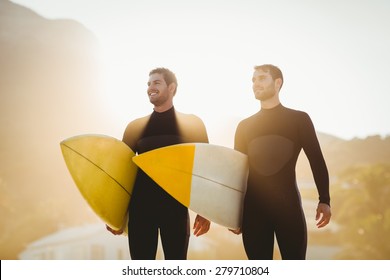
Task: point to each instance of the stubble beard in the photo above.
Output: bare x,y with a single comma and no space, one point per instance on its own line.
265,95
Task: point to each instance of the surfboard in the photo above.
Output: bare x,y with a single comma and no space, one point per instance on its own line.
209,179
104,173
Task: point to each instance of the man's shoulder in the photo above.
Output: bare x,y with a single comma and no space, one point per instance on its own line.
138,122
142,119
191,127
296,112
187,117
249,119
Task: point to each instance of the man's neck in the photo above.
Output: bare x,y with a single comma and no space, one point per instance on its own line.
269,104
163,108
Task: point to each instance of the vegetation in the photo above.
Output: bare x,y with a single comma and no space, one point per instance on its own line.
361,202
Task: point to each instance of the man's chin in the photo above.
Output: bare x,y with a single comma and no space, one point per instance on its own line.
264,97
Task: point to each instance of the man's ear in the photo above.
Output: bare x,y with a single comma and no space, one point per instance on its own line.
172,88
278,83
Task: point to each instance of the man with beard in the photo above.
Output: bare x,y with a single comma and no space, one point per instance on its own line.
273,138
152,211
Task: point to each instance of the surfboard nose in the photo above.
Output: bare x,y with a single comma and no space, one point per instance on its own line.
103,171
171,168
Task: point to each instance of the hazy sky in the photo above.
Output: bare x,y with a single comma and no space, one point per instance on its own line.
334,55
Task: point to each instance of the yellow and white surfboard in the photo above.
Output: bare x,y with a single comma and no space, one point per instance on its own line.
103,170
208,179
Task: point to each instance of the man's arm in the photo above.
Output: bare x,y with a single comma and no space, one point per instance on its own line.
133,132
318,166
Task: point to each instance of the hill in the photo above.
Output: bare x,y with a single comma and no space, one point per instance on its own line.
48,81
340,154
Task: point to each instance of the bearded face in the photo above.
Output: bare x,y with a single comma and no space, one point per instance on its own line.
263,85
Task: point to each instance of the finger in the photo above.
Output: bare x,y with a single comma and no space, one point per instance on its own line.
201,229
196,227
109,229
236,231
197,231
318,214
323,222
113,231
322,225
319,223
198,222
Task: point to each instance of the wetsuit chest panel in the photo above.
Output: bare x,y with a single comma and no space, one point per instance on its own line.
269,154
161,130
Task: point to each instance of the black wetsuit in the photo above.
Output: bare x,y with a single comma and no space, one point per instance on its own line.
273,139
152,210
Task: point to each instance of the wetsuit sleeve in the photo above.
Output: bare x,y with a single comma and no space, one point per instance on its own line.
133,132
193,129
239,144
202,136
316,159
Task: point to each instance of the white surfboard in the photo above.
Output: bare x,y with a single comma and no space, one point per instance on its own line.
209,179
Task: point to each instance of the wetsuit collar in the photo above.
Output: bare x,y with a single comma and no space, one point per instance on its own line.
277,107
172,109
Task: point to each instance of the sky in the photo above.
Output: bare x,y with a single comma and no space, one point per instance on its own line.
333,54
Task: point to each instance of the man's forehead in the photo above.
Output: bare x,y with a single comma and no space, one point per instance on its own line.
260,72
156,77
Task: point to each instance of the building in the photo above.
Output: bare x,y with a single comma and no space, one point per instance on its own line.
88,242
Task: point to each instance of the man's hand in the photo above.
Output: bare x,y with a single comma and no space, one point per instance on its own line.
113,231
236,231
323,215
201,226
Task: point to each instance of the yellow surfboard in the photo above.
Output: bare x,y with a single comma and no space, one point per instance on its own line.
208,179
103,170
